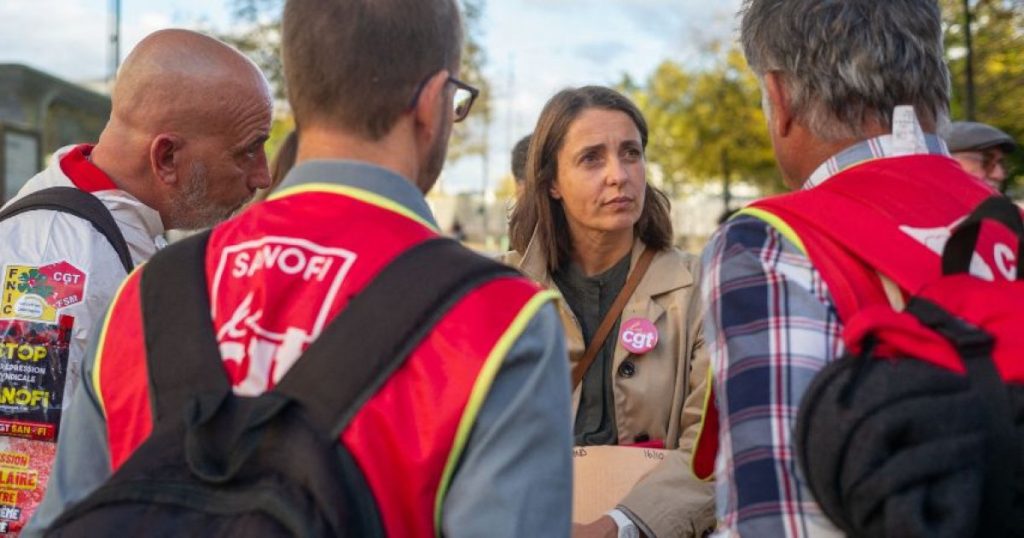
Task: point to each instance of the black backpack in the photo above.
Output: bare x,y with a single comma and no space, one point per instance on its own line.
893,440
80,204
221,465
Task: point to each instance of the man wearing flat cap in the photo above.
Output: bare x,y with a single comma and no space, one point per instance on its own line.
980,149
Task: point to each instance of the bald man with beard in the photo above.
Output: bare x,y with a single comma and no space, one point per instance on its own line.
183,149
186,135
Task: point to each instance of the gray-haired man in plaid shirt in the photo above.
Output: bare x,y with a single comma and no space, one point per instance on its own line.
832,75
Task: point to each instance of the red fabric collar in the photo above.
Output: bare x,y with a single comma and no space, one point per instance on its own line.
85,175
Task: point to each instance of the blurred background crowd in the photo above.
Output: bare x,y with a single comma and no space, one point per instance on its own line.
677,59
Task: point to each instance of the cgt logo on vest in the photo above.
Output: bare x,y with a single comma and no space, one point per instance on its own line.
259,341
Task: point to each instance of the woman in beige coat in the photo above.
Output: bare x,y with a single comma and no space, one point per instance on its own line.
580,226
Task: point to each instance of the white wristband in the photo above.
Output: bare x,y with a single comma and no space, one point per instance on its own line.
627,528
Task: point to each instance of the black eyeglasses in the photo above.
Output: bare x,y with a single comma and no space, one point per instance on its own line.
462,102
989,159
465,96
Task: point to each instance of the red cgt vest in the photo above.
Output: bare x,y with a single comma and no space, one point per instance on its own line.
277,275
905,207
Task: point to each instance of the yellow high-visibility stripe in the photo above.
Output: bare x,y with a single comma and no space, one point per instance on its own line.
97,364
787,231
776,222
368,197
481,387
700,429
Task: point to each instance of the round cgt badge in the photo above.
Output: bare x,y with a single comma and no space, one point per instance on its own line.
638,336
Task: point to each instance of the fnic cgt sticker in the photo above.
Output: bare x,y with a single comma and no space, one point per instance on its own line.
38,293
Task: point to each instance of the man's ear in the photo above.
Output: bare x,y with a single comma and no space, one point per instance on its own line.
780,119
430,107
164,157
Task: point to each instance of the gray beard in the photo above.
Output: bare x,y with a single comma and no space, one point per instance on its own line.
192,209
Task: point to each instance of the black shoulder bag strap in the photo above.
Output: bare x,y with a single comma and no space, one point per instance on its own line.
343,367
372,337
181,347
956,257
80,204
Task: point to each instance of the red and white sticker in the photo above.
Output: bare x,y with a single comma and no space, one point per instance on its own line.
39,293
638,336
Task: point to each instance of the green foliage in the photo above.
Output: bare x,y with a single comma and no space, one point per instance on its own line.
279,130
707,124
258,36
705,121
470,138
998,43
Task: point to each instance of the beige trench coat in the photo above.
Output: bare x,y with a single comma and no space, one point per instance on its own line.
659,394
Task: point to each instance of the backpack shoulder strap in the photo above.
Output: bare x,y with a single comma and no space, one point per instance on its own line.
374,334
80,204
182,354
956,257
381,326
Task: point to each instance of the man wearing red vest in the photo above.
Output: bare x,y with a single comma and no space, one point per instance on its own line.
469,437
854,92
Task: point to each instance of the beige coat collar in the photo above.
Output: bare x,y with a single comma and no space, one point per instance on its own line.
669,276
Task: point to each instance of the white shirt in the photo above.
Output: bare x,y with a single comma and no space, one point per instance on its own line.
44,237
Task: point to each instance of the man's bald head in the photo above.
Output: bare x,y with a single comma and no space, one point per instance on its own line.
189,118
175,76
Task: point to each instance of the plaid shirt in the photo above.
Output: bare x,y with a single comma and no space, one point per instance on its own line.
771,327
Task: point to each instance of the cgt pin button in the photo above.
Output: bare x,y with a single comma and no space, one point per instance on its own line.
638,336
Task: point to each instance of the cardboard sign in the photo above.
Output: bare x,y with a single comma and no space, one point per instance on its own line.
603,475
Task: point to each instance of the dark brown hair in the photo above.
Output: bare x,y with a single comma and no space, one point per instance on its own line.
357,64
537,210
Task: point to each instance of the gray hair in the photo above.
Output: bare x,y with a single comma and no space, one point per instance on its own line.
848,62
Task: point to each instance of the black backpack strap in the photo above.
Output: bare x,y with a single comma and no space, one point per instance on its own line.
371,338
956,257
181,347
80,204
374,334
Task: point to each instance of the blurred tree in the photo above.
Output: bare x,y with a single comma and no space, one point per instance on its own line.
279,129
996,55
258,35
505,190
472,137
707,124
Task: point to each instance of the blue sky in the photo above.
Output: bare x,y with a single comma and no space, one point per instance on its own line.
534,47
